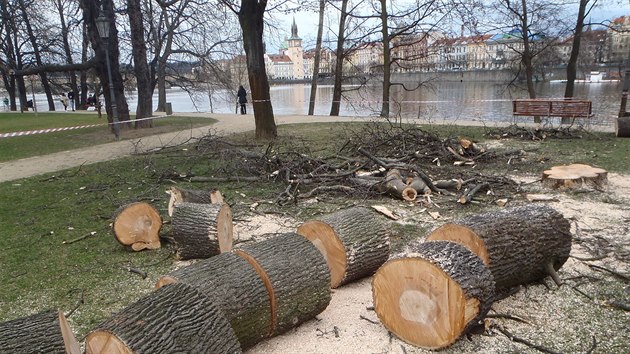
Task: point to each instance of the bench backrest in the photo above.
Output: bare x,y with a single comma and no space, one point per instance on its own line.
552,108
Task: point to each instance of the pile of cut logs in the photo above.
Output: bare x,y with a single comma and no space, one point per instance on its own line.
429,296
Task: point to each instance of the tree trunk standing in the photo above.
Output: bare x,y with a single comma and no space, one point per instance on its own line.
318,54
68,52
386,60
38,57
90,13
162,59
575,52
251,20
622,127
339,56
141,67
527,53
83,78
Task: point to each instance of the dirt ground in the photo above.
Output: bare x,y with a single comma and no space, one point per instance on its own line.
560,319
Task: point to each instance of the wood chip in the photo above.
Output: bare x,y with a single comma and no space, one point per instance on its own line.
385,211
435,215
541,198
501,202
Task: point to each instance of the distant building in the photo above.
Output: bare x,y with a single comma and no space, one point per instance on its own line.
618,39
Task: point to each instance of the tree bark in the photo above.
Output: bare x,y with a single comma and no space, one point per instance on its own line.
45,332
252,24
517,244
354,242
237,290
179,195
317,59
387,64
68,52
173,319
339,57
526,58
434,294
296,276
201,230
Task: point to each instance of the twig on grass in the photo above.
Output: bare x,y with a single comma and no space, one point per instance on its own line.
79,303
79,238
367,319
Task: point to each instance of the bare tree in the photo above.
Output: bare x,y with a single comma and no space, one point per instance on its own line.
339,57
317,58
141,67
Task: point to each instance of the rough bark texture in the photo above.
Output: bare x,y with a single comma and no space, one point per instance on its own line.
137,225
237,290
518,243
174,319
201,230
361,236
45,332
296,276
434,294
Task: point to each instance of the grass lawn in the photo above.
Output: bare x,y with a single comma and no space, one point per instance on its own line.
39,271
39,144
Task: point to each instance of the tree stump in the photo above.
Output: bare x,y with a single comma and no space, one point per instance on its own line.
296,277
45,332
354,242
236,288
519,245
622,127
137,225
179,195
201,230
434,294
174,319
575,176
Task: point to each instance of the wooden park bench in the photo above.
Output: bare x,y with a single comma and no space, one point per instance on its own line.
552,107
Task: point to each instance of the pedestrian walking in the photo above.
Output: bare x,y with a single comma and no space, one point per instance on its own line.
242,99
64,101
6,104
71,98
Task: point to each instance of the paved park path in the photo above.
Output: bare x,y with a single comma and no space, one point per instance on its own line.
227,123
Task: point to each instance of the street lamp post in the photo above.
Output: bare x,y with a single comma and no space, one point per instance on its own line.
102,23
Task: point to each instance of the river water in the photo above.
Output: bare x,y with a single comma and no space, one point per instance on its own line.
442,101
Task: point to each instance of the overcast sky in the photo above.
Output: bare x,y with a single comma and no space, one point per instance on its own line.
307,22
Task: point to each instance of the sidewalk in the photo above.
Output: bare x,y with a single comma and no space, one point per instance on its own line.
227,123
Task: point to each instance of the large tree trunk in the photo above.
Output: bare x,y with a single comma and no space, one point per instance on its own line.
174,319
180,195
137,225
316,60
438,292
354,242
141,66
45,332
252,23
339,57
201,230
296,276
237,290
519,245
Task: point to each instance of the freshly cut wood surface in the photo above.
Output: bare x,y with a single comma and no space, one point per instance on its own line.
44,332
201,230
296,276
575,176
236,288
176,318
434,294
354,242
180,195
518,244
396,187
137,225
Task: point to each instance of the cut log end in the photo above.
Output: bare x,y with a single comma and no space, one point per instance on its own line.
424,308
575,176
165,280
225,229
69,340
138,225
102,342
464,236
330,245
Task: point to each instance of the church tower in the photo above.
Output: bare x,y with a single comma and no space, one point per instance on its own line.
295,52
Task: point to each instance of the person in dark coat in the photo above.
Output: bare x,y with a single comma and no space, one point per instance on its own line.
242,99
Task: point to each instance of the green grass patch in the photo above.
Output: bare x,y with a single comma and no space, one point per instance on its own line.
39,144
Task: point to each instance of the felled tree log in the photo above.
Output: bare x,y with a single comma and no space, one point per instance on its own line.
296,276
137,225
45,332
434,294
419,186
519,245
201,230
396,187
354,242
174,319
180,195
575,176
236,288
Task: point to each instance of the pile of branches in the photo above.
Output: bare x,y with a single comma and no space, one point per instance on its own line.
535,133
372,162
